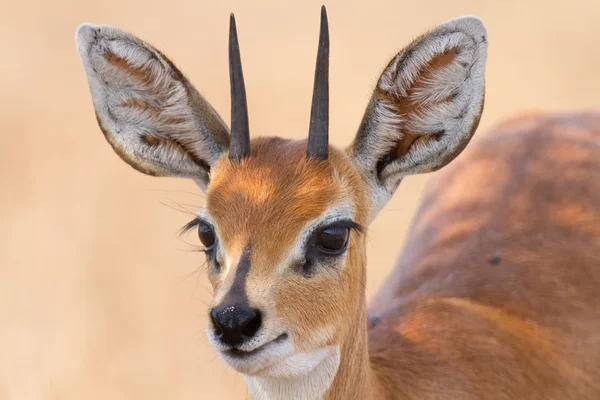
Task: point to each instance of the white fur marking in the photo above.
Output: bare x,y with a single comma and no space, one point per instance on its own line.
304,376
336,212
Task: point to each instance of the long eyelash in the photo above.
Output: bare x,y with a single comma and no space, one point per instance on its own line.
189,226
357,227
340,224
347,224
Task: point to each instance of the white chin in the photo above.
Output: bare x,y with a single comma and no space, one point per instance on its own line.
259,361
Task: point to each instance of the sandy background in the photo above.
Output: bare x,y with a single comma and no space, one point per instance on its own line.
99,299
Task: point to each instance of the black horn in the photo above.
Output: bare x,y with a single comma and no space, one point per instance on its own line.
240,130
318,134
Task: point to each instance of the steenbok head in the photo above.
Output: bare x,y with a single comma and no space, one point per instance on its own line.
284,222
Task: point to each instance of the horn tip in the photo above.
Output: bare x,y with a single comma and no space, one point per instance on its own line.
324,19
232,29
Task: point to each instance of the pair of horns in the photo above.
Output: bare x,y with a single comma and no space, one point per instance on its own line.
318,134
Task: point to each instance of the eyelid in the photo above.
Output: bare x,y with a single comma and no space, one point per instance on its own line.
342,223
193,224
346,223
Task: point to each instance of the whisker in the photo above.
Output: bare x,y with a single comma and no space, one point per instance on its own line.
178,191
172,204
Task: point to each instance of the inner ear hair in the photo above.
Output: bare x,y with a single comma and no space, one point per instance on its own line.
427,103
152,116
410,105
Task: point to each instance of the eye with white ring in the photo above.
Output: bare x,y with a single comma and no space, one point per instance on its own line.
333,240
206,235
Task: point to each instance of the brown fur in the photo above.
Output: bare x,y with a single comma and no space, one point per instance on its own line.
144,76
279,190
496,295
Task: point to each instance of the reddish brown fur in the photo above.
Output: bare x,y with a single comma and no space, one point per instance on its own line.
496,294
144,76
279,190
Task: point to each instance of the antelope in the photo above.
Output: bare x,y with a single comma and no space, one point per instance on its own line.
496,295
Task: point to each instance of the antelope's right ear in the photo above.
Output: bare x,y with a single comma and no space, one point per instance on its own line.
148,111
425,108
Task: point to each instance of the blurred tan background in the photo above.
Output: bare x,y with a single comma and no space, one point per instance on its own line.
99,299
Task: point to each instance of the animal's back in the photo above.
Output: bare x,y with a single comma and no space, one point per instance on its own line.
497,293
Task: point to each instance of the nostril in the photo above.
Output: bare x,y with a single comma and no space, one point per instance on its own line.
235,323
215,322
253,324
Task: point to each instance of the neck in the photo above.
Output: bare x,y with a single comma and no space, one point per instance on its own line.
355,378
334,373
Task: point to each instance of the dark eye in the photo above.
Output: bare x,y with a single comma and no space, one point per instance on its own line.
206,235
333,240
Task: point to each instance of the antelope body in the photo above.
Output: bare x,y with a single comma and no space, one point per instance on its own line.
496,294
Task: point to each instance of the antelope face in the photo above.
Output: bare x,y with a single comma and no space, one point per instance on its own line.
284,221
280,231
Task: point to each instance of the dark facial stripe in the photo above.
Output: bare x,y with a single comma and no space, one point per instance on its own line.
237,292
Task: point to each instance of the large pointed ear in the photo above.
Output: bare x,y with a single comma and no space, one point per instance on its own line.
149,112
425,108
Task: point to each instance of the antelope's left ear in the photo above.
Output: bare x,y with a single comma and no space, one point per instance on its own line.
425,108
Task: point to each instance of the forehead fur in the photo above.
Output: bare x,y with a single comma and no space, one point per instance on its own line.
275,191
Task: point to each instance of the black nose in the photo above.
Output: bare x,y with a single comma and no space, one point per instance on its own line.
235,323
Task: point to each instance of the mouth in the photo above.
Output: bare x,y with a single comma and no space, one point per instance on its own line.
239,354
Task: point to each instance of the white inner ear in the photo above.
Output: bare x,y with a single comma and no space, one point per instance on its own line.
434,88
144,105
444,96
